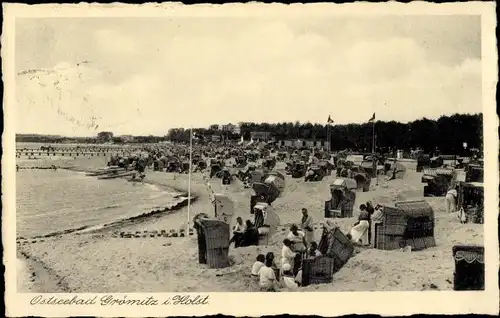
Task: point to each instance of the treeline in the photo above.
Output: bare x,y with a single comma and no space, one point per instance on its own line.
448,133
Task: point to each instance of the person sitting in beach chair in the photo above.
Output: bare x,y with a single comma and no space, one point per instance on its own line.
259,263
313,250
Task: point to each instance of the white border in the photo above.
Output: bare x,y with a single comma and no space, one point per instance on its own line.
257,304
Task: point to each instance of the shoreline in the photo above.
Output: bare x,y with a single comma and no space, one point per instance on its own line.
36,276
178,193
45,278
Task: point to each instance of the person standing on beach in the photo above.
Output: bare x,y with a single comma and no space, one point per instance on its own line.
359,232
307,226
451,200
299,245
370,209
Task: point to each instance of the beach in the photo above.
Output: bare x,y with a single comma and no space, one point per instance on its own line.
99,260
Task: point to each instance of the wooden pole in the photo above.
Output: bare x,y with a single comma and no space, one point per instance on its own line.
373,138
189,179
328,138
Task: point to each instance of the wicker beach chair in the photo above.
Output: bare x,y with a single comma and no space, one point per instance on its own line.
336,245
341,204
469,267
471,200
318,270
408,223
213,242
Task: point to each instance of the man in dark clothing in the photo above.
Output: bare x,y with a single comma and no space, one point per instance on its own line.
250,236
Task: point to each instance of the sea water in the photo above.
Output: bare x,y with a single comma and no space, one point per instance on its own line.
50,201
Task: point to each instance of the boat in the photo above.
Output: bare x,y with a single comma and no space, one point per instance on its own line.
117,175
105,171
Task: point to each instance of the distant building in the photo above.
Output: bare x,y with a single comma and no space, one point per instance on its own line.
127,138
234,129
214,127
300,143
216,138
260,135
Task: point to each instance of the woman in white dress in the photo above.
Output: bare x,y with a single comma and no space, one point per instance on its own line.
359,232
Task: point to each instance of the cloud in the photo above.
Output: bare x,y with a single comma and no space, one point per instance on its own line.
114,41
259,72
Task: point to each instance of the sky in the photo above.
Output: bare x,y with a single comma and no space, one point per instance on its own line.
143,76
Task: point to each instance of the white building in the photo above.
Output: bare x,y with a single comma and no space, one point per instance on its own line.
235,129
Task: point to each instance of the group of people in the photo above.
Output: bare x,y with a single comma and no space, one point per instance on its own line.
298,244
244,234
361,232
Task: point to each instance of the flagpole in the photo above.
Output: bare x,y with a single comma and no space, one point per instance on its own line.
373,137
328,137
373,151
189,178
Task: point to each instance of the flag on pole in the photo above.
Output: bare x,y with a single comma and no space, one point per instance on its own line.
329,121
372,119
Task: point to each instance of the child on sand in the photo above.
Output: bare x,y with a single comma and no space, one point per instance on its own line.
267,277
288,278
259,263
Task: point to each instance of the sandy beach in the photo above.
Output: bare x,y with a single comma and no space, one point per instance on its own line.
101,261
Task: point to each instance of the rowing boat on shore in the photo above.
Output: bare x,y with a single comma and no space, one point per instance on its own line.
103,171
117,175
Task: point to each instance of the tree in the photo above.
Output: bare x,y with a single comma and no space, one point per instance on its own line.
105,136
448,133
